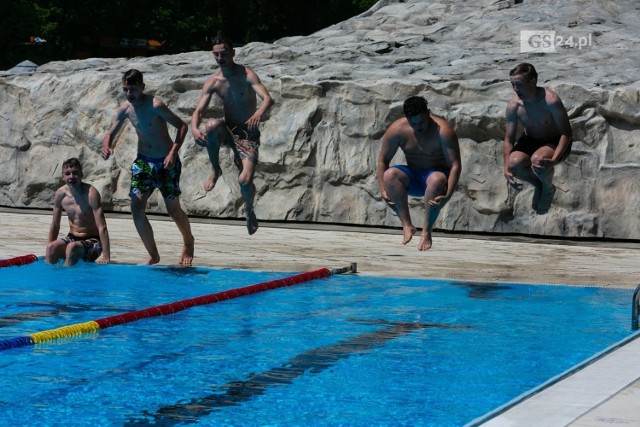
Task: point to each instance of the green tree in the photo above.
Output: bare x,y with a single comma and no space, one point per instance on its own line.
79,28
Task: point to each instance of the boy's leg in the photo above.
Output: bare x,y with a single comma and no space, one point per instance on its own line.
396,183
545,190
436,185
138,208
248,190
216,131
182,221
55,251
74,252
520,165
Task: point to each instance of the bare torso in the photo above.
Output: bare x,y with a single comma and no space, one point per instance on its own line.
423,150
153,135
239,99
535,116
80,214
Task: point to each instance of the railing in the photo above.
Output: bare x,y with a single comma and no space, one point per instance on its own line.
635,308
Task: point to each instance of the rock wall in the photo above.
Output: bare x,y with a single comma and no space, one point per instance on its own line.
335,93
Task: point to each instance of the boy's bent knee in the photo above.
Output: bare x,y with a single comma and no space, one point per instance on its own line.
75,250
392,175
244,180
214,125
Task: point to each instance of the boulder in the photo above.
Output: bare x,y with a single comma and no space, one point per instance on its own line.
335,93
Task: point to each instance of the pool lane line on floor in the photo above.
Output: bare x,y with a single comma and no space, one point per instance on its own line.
161,310
311,362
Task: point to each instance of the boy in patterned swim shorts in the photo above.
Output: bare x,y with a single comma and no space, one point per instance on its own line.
88,236
157,164
238,86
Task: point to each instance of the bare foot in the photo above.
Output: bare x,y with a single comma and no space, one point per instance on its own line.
186,258
211,182
425,242
408,232
252,222
151,260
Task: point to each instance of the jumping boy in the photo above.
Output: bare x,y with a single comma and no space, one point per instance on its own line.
430,146
157,164
546,140
238,86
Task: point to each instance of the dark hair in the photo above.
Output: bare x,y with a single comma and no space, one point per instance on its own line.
132,77
415,105
526,70
222,39
72,163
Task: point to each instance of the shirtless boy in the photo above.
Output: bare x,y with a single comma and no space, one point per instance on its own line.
546,140
433,166
88,236
238,86
157,164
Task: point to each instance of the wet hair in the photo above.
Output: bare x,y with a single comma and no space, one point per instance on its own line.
527,71
222,39
132,77
415,105
72,163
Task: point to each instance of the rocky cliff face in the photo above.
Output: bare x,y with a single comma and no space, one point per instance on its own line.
337,90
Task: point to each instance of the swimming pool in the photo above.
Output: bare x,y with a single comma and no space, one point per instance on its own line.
348,350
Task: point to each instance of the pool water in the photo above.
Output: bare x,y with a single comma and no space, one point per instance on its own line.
349,350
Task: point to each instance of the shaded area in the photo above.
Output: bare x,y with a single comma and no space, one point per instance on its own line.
312,362
481,290
180,271
54,310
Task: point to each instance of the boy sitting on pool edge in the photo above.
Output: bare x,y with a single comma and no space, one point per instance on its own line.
88,236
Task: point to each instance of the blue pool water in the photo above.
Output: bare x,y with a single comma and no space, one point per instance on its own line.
349,350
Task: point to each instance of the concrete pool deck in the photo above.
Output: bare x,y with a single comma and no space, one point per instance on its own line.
603,394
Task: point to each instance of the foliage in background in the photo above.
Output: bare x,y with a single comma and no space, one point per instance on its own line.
81,29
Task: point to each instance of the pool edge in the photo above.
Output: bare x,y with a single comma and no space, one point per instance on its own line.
492,418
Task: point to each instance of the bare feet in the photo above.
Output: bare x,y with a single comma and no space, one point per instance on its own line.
186,258
425,242
252,222
151,260
211,182
408,232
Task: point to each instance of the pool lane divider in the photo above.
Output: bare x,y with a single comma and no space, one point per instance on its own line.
162,310
19,260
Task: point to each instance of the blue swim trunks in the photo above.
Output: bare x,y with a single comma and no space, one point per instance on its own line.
148,174
418,178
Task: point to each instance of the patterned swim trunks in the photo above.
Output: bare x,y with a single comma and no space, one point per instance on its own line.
244,142
92,246
148,174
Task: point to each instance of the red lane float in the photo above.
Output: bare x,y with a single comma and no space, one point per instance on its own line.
161,310
19,260
174,307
